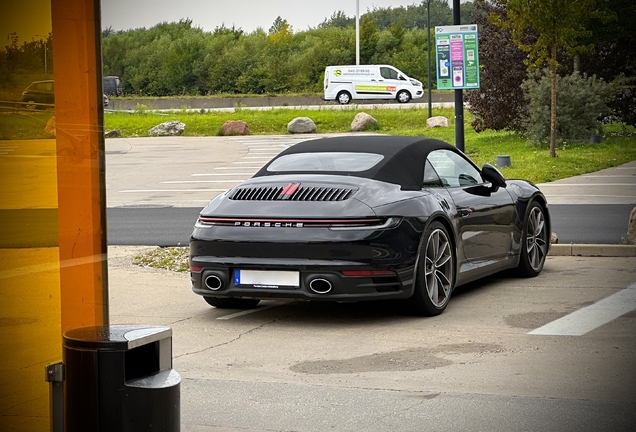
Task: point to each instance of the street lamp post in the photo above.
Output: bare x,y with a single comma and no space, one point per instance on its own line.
357,32
459,97
45,49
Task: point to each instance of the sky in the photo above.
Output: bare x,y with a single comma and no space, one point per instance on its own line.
246,14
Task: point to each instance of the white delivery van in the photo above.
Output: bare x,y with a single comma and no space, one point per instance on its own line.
347,83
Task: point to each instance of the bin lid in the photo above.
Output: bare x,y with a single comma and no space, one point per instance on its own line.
115,337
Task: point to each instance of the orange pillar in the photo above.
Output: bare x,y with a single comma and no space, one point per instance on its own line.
80,162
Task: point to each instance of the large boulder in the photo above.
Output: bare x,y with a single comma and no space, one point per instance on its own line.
170,128
631,227
362,122
437,121
234,127
49,129
554,238
115,133
301,125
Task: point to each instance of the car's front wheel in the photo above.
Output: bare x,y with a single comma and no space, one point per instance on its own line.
535,242
435,277
403,96
231,302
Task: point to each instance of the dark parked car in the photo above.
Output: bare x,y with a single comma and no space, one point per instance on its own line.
38,94
112,85
41,95
366,218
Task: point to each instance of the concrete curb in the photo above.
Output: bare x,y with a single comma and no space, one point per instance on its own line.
593,250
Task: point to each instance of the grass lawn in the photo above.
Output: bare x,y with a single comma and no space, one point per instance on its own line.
528,162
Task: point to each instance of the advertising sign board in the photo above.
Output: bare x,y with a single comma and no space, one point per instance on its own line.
457,57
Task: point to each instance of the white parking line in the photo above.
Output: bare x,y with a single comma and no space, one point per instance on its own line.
591,317
233,168
589,196
203,181
247,163
171,190
585,184
225,174
249,311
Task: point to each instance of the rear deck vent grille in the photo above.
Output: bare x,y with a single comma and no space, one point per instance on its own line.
304,193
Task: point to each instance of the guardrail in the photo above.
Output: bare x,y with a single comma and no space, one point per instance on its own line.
24,106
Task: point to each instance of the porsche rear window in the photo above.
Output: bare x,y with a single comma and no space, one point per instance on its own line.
327,161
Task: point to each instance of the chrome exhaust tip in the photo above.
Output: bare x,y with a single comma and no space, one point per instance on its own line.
213,282
320,286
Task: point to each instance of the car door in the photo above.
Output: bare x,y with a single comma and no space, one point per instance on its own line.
485,216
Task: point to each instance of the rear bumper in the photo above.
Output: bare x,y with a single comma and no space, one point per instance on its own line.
332,285
314,254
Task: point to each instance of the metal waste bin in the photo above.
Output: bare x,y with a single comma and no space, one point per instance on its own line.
120,378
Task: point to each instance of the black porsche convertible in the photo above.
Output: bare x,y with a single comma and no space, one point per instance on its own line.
366,218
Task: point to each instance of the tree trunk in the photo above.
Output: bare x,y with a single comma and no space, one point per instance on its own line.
553,102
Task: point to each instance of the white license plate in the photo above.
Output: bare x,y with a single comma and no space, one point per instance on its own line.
267,278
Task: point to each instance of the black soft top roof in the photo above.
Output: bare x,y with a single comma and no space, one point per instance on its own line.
403,162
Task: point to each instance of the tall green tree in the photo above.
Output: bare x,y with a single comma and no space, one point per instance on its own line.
338,19
560,24
278,25
369,37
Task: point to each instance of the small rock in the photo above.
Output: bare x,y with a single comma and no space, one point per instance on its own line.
554,238
234,127
49,129
631,227
301,125
115,133
170,128
362,122
437,121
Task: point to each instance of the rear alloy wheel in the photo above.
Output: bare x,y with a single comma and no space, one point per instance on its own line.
435,273
31,106
231,302
344,97
403,96
535,242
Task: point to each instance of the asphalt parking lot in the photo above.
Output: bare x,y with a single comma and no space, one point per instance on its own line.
299,366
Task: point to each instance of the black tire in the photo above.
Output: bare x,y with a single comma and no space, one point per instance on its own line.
231,302
403,96
344,97
435,278
535,241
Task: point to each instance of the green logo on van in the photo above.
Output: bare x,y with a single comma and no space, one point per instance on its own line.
337,72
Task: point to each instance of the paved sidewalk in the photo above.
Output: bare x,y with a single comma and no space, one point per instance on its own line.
616,185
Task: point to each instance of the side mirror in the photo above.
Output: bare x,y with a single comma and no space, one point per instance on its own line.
494,176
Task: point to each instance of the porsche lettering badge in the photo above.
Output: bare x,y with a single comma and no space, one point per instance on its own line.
270,224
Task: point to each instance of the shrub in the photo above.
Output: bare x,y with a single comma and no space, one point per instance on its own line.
581,104
499,102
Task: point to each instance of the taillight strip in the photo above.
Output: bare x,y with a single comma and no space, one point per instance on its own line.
323,221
